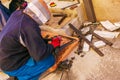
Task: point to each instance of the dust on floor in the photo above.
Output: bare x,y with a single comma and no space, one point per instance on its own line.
92,66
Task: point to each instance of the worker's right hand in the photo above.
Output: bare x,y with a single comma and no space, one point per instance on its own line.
56,41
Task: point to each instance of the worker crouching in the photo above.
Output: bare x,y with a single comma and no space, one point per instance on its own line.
23,51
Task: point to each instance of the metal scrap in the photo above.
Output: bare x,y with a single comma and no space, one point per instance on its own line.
91,27
86,40
78,2
60,15
99,37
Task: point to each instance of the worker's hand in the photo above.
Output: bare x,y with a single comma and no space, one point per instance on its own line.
56,41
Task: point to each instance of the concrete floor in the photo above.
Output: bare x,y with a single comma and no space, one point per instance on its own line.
91,66
94,67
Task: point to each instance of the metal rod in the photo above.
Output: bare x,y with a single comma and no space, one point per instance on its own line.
61,20
58,15
86,40
78,2
99,37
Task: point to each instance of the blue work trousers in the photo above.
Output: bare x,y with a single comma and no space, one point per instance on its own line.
32,70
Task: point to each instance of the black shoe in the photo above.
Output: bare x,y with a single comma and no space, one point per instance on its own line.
12,78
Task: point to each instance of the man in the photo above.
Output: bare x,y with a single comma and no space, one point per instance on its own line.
5,12
17,4
23,51
4,15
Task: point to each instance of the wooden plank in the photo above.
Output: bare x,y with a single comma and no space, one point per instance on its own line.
65,52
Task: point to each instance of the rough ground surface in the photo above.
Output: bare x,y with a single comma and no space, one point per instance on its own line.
93,67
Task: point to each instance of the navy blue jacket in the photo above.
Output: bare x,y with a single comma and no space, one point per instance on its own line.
4,15
13,54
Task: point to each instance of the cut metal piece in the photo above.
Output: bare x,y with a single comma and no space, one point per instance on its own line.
61,20
78,2
60,15
99,37
86,40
